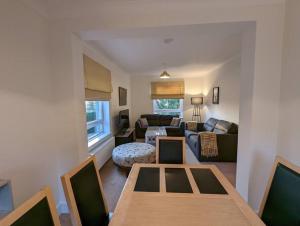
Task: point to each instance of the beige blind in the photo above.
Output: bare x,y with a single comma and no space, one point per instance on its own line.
97,80
167,90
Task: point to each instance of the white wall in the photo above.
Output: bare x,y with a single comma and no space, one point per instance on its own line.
141,95
288,137
69,87
119,78
28,148
227,77
42,132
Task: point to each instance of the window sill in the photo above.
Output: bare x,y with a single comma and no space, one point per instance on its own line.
93,144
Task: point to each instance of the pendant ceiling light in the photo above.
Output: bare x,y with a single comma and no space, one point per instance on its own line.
164,75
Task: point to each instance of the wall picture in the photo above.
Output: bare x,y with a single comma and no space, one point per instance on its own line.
216,95
122,96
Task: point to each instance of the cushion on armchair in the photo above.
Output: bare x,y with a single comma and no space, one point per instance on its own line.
144,123
191,125
222,127
175,122
210,124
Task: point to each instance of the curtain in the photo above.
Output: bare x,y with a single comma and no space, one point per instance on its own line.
167,90
97,80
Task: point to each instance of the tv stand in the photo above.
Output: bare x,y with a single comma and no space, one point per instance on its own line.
125,136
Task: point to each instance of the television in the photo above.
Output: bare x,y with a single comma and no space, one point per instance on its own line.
124,120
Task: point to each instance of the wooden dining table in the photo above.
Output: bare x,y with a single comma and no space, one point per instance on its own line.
179,195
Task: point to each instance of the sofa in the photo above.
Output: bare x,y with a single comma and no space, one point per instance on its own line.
227,140
160,120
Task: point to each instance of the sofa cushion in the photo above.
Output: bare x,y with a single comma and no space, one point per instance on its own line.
175,122
189,133
165,120
222,127
153,119
193,141
191,125
210,124
144,123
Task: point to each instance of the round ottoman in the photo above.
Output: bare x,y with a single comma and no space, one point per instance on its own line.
126,155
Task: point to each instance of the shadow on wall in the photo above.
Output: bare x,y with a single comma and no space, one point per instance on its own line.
258,162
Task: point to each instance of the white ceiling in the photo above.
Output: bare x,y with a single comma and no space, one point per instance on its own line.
84,8
194,51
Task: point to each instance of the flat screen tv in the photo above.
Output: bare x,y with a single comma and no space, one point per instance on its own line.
124,120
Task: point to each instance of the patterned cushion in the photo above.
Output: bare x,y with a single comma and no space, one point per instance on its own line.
191,125
175,122
144,122
222,127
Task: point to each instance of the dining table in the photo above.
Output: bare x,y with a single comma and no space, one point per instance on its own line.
181,195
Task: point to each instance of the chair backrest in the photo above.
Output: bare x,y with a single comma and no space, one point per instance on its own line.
38,210
281,201
170,150
84,194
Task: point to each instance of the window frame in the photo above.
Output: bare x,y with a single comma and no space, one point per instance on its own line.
102,119
168,111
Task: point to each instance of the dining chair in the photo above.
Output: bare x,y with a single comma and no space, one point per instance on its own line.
85,197
280,205
170,150
36,211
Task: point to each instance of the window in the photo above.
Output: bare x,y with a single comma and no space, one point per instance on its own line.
168,107
97,120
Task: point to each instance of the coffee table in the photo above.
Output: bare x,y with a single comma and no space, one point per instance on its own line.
154,131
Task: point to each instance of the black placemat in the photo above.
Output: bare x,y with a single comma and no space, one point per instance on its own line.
207,182
177,181
148,180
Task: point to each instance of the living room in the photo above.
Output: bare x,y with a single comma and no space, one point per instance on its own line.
238,59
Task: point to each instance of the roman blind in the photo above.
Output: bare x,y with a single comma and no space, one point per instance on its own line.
97,80
167,90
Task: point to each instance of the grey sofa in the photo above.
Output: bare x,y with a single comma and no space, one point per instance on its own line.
227,140
160,120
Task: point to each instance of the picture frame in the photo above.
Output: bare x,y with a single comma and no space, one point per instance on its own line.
122,96
216,95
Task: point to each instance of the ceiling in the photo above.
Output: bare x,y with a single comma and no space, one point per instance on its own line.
185,51
68,9
194,50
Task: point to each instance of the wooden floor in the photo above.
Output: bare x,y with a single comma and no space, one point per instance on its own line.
113,180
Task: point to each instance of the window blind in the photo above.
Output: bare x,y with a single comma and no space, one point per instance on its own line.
97,80
167,90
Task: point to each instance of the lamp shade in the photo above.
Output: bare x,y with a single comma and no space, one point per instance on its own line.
196,100
164,75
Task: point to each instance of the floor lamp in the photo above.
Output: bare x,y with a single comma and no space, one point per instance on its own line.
197,102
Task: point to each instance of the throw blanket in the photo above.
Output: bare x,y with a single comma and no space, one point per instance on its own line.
209,147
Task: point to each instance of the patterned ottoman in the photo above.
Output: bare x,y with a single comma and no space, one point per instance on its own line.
126,155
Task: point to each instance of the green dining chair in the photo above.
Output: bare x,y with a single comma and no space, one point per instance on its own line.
281,202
